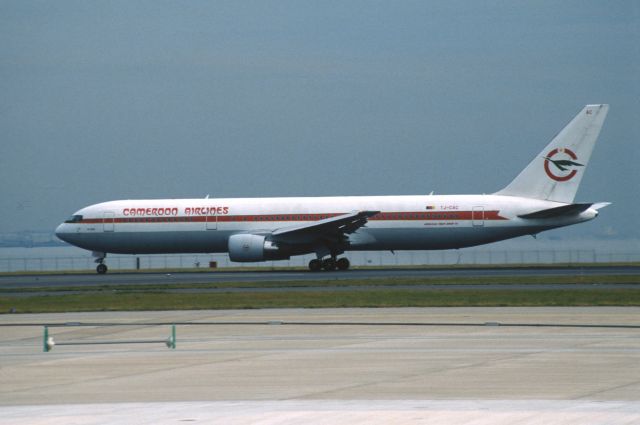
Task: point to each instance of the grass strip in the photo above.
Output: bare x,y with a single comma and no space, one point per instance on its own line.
146,301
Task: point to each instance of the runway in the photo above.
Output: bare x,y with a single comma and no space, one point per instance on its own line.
114,279
258,369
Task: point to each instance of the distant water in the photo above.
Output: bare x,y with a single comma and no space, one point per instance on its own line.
517,251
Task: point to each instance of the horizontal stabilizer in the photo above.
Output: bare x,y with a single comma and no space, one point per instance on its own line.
565,210
600,205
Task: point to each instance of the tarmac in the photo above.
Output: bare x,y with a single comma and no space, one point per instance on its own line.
87,280
400,365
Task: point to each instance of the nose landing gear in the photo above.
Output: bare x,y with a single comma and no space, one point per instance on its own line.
101,268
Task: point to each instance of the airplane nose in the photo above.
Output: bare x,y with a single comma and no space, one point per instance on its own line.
61,231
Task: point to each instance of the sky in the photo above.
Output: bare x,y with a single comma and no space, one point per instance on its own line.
104,100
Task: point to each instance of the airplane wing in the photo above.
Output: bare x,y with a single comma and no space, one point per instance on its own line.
333,228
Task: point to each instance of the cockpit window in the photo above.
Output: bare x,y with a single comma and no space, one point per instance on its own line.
74,219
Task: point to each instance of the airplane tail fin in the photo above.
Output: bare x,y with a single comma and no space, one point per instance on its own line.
556,172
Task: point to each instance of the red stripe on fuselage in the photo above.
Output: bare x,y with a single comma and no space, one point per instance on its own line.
383,216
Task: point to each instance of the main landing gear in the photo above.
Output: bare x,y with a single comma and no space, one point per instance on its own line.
101,268
329,264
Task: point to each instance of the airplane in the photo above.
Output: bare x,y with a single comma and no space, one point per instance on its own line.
540,198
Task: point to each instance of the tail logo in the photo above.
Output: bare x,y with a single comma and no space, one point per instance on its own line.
562,168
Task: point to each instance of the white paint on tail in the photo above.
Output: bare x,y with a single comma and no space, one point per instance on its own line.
556,172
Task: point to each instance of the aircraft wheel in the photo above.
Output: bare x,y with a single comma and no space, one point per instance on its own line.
101,269
343,263
315,265
329,264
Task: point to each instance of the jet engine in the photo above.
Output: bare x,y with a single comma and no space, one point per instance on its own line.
247,247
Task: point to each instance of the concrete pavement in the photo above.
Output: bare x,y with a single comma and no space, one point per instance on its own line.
269,373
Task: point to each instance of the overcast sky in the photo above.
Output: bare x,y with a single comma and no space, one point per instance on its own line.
135,99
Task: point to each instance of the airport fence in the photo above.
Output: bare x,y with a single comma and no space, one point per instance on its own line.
400,258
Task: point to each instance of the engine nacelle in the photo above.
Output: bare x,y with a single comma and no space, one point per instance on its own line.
248,248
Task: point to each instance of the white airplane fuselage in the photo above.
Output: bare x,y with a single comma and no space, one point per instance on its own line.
403,222
259,229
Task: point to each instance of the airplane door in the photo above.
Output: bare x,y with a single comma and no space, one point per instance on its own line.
212,222
107,222
477,216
